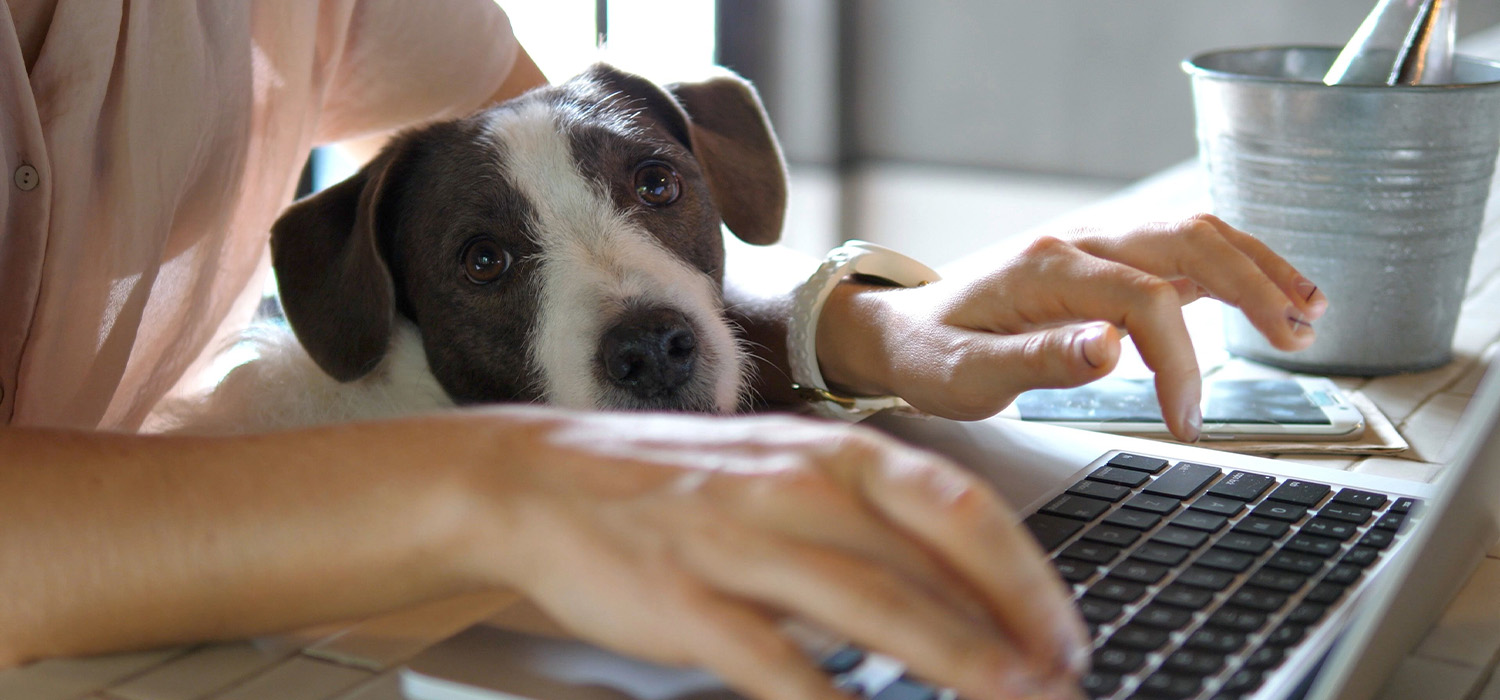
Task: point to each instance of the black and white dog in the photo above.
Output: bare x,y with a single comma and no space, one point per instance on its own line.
563,247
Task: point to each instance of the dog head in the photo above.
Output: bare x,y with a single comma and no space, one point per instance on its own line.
563,246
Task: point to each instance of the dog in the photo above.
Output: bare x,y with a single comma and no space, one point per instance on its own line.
563,247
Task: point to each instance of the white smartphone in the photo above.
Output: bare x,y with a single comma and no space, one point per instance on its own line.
1301,408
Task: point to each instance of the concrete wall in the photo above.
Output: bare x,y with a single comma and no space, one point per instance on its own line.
1073,87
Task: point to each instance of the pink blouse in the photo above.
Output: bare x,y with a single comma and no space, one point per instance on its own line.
146,152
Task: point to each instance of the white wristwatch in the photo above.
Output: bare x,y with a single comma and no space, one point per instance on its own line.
851,258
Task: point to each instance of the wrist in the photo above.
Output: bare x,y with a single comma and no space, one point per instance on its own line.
852,330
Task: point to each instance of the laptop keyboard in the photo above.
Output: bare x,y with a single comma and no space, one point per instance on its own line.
1195,581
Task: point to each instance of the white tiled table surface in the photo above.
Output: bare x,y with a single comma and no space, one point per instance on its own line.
357,660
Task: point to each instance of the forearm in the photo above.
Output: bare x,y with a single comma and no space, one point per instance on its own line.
114,541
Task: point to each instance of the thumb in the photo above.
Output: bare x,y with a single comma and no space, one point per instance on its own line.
1065,356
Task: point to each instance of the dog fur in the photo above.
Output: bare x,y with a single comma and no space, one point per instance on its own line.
525,253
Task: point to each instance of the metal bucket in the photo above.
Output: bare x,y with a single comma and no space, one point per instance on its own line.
1375,193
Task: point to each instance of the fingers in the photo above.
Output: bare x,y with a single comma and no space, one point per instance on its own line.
1009,364
748,652
867,602
1229,265
966,522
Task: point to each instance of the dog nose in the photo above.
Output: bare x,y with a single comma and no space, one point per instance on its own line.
650,353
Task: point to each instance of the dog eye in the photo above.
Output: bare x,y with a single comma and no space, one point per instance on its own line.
656,184
485,261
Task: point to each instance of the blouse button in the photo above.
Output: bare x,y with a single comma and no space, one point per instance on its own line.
27,178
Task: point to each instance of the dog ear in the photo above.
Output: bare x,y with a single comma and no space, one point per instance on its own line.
733,140
335,287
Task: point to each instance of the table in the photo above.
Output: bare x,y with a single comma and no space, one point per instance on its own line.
358,660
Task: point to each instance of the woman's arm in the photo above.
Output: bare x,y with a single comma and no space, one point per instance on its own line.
710,532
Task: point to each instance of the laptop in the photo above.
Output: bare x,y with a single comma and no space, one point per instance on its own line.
1201,574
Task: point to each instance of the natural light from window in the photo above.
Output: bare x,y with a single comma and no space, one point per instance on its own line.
663,40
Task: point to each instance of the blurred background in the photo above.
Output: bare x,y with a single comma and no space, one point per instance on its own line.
941,126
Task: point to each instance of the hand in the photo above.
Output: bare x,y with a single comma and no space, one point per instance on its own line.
691,540
1053,316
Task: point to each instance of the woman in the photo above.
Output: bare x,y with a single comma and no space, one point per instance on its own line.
150,150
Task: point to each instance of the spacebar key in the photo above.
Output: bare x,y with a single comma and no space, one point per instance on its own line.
1183,480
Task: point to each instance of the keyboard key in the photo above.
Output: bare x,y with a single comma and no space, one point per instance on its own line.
1163,617
1378,539
1391,521
1361,556
1050,530
1242,486
1076,507
1225,559
1134,519
1276,580
1074,571
1179,536
1362,499
1139,571
1188,662
1218,505
1204,577
1216,641
1097,610
1110,588
1325,593
1160,505
1169,686
1185,596
1091,552
1242,681
1100,490
1150,465
1098,684
1343,574
1265,527
1266,658
1346,513
1302,493
843,661
1139,638
1183,480
1403,505
1117,475
1111,535
1312,544
1199,520
1285,512
1294,561
1256,598
1306,614
1328,527
1237,619
1286,635
1116,660
1158,553
1241,542
906,689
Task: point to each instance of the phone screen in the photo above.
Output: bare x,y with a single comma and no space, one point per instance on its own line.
1270,401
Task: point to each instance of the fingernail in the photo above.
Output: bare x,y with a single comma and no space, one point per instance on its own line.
1301,327
1094,345
1317,301
1193,419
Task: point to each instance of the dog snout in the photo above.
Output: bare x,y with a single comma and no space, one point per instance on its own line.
650,353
